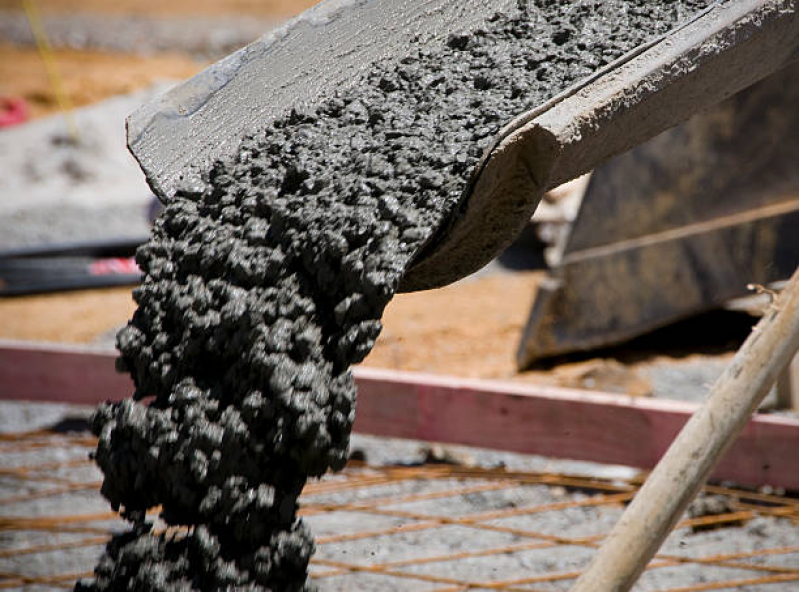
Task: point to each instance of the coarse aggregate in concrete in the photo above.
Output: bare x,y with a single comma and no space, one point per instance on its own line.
263,287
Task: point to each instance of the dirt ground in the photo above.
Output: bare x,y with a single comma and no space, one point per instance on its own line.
470,329
270,8
76,317
88,76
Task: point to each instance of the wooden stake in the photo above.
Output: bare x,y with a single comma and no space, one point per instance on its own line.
686,465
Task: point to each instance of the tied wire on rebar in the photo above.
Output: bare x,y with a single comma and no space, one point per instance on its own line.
344,500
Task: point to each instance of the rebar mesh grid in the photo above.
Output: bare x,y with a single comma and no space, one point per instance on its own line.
436,527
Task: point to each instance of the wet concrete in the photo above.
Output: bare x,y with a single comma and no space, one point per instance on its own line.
264,287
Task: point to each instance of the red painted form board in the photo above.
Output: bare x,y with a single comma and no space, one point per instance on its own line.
58,373
563,423
512,416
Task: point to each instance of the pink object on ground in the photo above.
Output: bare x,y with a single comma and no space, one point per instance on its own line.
13,111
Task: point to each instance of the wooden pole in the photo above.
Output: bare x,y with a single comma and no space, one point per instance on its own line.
686,465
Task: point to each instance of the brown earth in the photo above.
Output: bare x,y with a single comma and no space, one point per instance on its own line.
72,317
470,329
88,76
91,76
173,8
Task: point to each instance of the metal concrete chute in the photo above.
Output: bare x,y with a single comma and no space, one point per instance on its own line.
726,48
678,226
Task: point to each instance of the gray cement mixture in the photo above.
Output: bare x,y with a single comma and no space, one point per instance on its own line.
262,290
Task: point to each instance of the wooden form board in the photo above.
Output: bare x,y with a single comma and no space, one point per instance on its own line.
511,416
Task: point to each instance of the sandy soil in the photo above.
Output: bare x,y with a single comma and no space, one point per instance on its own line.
470,329
269,8
88,76
77,317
